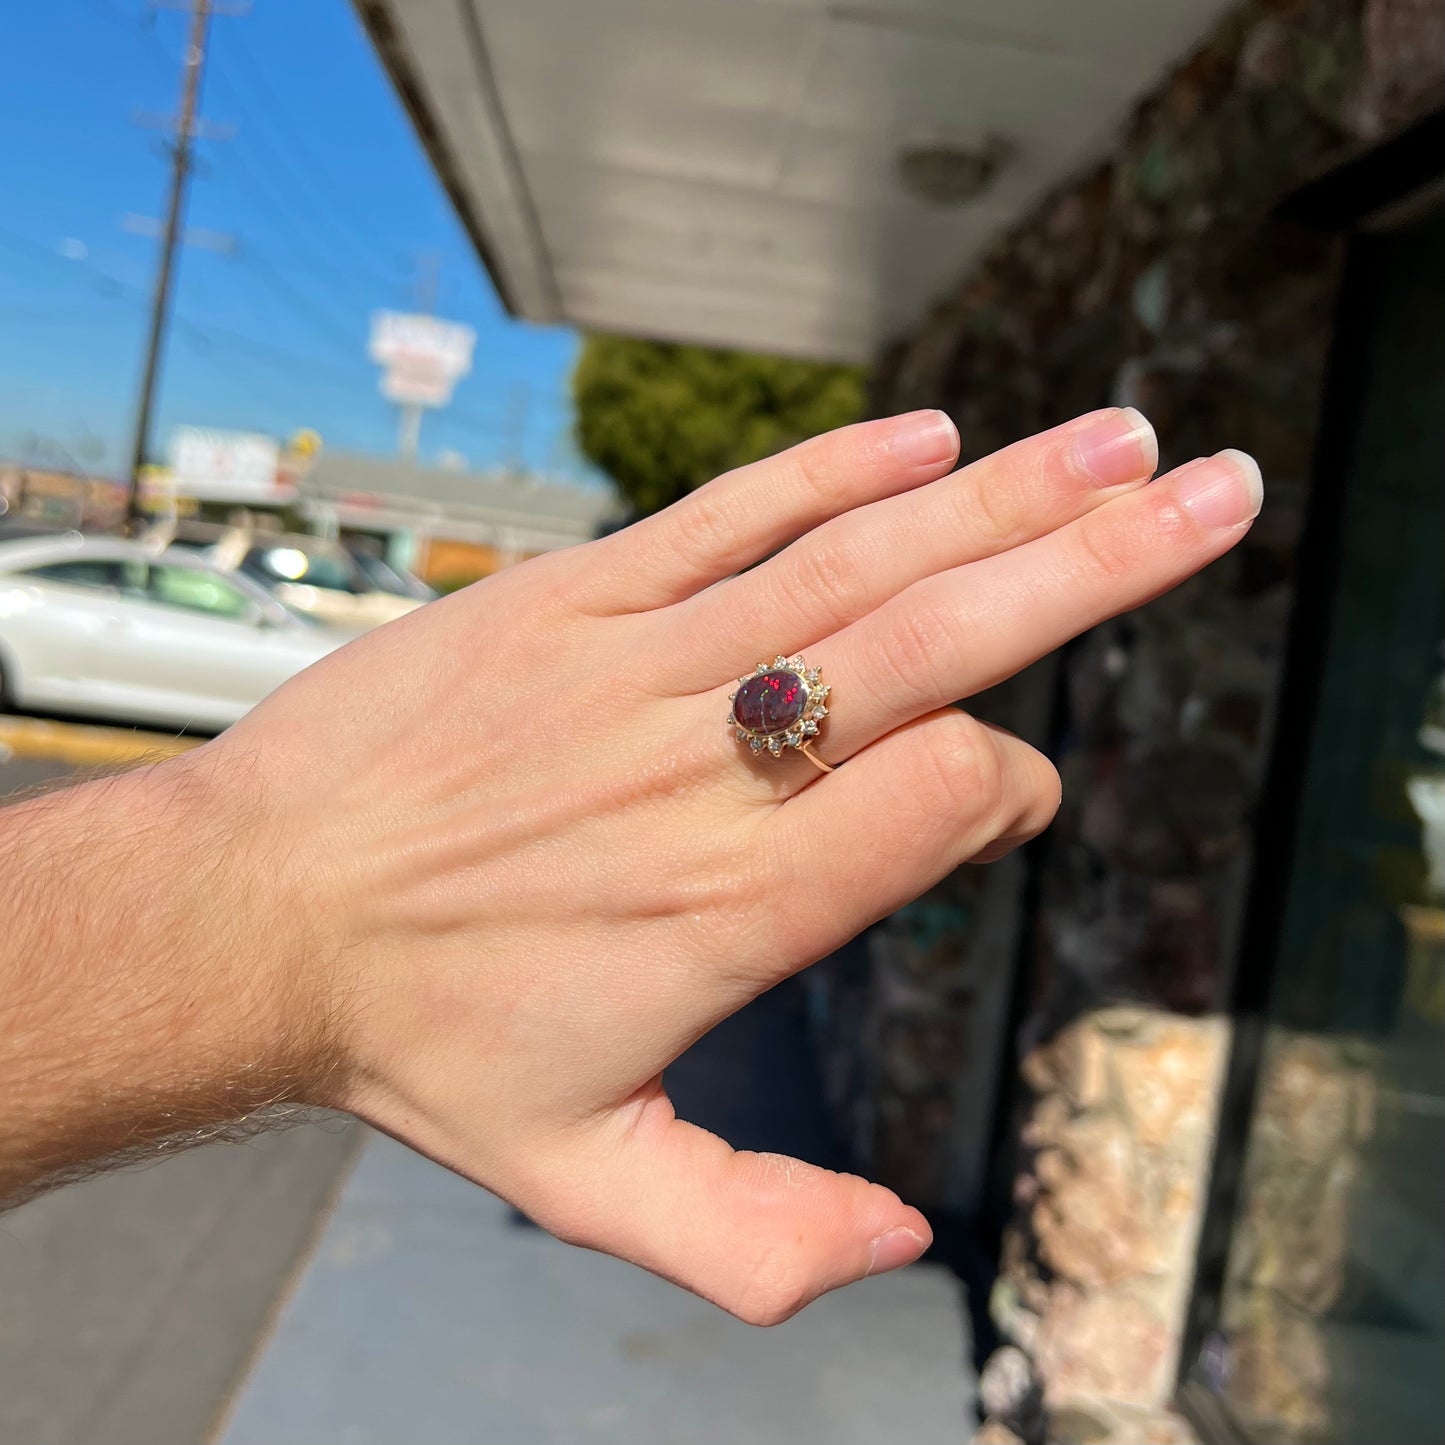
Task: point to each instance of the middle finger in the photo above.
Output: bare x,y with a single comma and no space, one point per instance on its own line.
849,566
957,633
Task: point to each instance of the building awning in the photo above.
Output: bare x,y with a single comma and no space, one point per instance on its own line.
756,173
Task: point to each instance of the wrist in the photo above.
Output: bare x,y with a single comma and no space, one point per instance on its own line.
159,953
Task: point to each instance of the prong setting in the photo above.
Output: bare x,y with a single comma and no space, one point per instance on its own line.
781,704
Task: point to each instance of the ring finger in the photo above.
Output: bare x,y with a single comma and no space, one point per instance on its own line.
960,631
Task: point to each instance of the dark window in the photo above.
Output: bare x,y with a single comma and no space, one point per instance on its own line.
198,591
88,573
1326,1322
284,562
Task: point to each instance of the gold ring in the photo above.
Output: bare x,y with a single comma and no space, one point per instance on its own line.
781,704
812,757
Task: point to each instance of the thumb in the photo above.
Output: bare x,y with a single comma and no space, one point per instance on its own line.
761,1235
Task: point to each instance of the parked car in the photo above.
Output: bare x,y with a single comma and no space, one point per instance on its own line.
386,576
310,574
115,628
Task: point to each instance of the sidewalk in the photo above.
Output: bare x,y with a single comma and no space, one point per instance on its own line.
432,1312
131,1303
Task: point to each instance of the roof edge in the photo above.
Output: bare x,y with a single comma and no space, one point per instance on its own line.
396,60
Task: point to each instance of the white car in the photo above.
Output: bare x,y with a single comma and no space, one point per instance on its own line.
114,628
313,576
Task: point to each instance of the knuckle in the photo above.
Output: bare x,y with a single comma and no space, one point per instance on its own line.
820,467
1168,519
1039,807
1051,788
1116,541
702,524
994,507
545,1190
774,1290
1107,547
830,576
912,651
572,1227
964,767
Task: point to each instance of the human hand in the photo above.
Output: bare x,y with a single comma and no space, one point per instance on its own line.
515,862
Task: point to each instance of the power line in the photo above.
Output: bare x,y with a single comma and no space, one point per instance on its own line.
335,331
294,150
323,268
82,311
281,203
134,27
316,368
272,196
201,346
281,360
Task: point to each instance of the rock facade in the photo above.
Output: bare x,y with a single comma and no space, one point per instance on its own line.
1097,1265
1161,279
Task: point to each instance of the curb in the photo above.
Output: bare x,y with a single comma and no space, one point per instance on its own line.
81,745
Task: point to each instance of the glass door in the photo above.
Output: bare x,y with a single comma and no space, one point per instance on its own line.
1329,1323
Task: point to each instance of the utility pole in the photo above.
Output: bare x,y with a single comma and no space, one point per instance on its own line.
192,67
428,279
519,404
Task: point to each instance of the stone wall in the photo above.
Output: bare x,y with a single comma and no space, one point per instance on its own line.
1096,1268
1161,280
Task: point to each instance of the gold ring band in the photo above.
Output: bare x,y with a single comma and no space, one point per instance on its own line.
812,757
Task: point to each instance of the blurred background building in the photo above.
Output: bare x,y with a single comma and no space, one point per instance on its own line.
447,525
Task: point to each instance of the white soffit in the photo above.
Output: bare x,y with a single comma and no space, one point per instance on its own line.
725,171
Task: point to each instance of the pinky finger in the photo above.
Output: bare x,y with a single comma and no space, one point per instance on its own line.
904,813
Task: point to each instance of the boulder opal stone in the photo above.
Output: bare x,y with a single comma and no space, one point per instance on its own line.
770,703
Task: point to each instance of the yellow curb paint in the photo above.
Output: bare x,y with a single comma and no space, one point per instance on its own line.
82,746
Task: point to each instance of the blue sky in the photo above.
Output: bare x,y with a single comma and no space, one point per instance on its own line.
331,204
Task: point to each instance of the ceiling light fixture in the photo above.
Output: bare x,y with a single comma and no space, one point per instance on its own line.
946,173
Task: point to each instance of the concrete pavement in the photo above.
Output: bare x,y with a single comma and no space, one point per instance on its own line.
432,1312
130,1304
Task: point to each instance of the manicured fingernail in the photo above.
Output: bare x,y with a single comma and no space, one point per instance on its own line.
1225,490
1117,446
895,1249
922,437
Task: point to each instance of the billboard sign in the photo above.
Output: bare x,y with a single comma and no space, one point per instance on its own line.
227,466
423,356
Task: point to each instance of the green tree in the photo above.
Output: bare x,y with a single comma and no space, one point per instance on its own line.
661,419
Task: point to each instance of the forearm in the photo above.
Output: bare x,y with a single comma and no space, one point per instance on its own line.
143,999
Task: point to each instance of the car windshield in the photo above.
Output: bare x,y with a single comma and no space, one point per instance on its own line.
287,563
381,574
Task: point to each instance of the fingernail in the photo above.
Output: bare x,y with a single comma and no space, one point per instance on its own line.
894,1249
1225,490
1117,446
922,437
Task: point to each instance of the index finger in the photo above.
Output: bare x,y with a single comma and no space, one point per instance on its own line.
746,514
